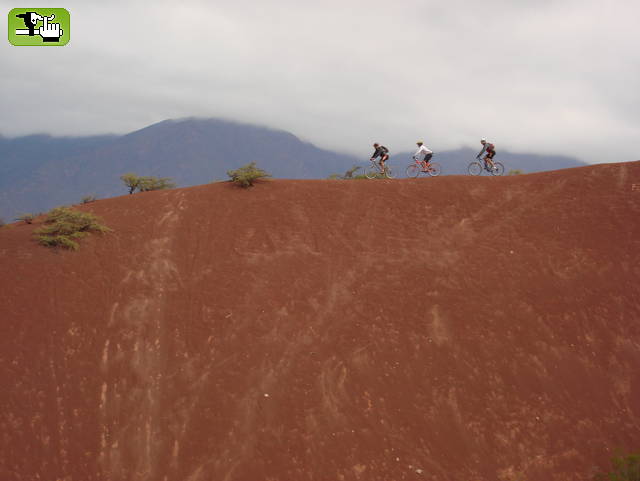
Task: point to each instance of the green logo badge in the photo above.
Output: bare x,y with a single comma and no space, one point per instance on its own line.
39,26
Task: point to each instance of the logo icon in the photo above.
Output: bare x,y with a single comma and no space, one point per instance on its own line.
39,26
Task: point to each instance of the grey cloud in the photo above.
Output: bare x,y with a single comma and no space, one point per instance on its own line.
550,76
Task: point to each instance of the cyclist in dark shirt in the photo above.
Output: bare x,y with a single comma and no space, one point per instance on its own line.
490,149
382,152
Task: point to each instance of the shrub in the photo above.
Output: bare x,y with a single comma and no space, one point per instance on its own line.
155,183
131,181
27,218
1,222
245,176
625,468
64,226
515,172
348,174
88,198
146,183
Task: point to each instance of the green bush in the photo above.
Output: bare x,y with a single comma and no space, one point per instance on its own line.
246,175
146,183
515,172
625,468
27,218
155,183
64,226
131,181
88,199
348,174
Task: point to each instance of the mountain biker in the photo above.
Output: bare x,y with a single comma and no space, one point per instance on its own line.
423,154
382,152
490,149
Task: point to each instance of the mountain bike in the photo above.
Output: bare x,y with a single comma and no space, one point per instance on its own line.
476,168
421,167
374,170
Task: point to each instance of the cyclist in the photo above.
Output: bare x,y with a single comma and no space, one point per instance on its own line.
490,149
423,154
382,152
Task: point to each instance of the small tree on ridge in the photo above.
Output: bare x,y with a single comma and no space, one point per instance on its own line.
246,175
146,183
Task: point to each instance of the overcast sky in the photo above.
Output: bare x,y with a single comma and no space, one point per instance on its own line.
551,76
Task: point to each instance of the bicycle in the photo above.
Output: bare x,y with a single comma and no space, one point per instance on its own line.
421,167
476,168
374,170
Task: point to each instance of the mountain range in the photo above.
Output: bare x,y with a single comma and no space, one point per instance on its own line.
38,172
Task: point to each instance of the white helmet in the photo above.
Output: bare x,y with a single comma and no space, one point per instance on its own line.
482,140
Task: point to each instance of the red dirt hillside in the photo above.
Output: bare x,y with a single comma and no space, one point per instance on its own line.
447,329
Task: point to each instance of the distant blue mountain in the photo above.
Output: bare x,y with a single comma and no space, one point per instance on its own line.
38,172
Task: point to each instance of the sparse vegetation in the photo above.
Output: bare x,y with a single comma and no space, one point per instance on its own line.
146,183
131,181
2,222
88,199
155,183
246,175
64,226
348,174
515,172
625,468
26,218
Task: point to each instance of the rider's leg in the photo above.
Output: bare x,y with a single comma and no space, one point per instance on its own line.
488,163
425,162
383,159
490,159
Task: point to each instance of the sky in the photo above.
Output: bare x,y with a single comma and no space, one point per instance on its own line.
544,76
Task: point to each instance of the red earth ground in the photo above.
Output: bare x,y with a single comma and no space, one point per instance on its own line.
449,329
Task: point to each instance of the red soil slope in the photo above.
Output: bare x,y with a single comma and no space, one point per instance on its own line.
444,329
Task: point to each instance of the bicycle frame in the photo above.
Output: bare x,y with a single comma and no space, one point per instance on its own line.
377,165
421,163
429,167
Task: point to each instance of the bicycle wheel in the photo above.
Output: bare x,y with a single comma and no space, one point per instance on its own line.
498,169
474,168
371,172
434,169
413,170
387,172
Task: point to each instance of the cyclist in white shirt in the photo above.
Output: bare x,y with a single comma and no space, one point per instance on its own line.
423,154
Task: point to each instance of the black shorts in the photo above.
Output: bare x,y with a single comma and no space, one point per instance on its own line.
428,157
490,154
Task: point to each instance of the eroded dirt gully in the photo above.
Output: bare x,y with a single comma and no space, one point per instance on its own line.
443,329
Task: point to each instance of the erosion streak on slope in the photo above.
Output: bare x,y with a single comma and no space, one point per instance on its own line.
138,320
449,328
